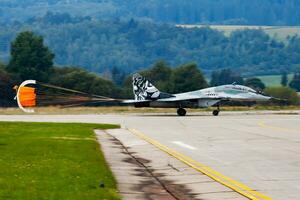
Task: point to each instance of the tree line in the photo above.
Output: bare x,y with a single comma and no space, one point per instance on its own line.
255,12
131,45
32,59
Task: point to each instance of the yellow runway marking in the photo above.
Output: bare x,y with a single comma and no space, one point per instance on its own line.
263,125
224,180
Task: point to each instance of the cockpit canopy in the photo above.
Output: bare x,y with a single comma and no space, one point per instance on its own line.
240,88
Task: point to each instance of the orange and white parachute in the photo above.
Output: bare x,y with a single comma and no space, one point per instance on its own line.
31,94
26,96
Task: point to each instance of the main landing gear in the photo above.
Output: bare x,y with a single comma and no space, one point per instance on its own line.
181,112
216,112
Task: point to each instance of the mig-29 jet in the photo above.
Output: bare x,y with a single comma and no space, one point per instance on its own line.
147,95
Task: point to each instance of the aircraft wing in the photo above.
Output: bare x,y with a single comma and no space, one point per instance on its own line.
190,97
131,101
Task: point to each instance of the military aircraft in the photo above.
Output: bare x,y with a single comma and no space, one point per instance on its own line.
147,95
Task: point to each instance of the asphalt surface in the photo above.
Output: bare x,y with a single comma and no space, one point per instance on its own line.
261,150
145,172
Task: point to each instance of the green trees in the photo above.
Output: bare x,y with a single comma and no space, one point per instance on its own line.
255,83
283,93
160,75
225,76
183,78
30,59
295,83
82,80
117,76
6,87
284,79
186,78
255,12
132,45
2,66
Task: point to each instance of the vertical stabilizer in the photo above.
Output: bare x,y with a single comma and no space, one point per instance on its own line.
143,89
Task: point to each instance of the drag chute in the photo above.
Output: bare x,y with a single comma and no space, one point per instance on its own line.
33,94
26,96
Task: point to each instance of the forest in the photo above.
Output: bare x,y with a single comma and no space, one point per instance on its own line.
32,59
96,45
255,12
131,45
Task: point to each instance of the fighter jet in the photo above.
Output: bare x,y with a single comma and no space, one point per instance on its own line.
147,95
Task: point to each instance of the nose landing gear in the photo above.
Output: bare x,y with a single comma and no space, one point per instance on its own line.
216,112
181,112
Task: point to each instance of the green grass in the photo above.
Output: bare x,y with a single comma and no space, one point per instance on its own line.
40,161
269,80
273,80
277,32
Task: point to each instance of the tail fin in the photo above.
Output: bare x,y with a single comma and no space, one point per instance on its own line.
143,89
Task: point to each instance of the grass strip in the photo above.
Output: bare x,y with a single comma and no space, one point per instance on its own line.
53,161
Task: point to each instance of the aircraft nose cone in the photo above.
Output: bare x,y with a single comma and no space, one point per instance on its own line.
263,97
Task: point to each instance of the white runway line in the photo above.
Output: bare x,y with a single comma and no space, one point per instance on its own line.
184,145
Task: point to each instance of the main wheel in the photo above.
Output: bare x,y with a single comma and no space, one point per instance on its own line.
181,112
215,112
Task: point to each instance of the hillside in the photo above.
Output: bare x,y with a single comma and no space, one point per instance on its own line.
100,45
255,12
277,32
131,34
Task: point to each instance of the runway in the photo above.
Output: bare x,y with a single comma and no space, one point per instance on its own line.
261,151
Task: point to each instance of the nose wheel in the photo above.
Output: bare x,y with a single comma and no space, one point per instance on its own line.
216,112
181,112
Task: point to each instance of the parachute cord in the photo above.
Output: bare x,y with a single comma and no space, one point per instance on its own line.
75,91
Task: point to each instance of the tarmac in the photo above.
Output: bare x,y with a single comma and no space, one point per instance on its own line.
253,152
145,172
